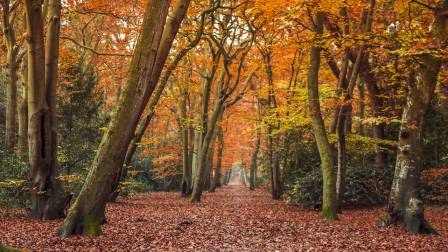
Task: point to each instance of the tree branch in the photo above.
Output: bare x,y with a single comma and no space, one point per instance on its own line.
93,50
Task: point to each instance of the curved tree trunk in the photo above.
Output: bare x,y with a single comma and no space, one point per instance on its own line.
329,204
174,21
85,215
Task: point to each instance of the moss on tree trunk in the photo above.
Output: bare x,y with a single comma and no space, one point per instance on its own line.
405,207
86,214
329,205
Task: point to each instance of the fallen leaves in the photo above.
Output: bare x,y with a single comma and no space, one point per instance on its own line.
232,219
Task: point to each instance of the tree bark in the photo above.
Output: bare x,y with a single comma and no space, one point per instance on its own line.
216,182
405,207
173,23
253,163
198,183
359,127
47,197
209,162
207,126
22,144
329,204
186,166
273,156
11,87
85,215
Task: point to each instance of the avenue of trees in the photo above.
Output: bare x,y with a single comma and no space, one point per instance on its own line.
324,103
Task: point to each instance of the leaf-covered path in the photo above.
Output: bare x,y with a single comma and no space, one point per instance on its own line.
232,219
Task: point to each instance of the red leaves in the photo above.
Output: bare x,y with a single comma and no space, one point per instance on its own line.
232,219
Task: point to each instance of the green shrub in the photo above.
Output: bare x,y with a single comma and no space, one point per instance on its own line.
13,182
365,186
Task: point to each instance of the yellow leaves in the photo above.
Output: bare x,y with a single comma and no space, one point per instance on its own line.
134,172
12,183
372,121
69,178
103,129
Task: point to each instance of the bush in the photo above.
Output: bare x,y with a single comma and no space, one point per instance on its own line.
13,182
307,191
364,186
14,194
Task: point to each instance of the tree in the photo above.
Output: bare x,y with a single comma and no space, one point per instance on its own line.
329,204
217,175
22,144
144,123
253,163
87,212
48,198
405,206
9,17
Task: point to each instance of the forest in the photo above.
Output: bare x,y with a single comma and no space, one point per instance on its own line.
224,125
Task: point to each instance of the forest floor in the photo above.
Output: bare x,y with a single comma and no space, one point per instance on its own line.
231,219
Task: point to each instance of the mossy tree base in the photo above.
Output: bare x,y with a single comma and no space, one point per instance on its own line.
329,214
412,224
74,225
195,197
8,249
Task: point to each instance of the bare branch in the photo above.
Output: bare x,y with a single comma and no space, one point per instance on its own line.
95,51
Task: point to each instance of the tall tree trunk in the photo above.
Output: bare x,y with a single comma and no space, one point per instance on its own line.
194,154
227,176
11,106
11,87
186,167
405,207
216,182
329,204
343,127
359,127
172,26
273,156
205,134
47,197
274,163
375,93
22,144
198,183
85,215
253,163
210,158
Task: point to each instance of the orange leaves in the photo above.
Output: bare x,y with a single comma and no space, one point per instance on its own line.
231,219
437,180
436,172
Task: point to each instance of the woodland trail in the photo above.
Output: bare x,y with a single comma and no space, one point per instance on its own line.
231,219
